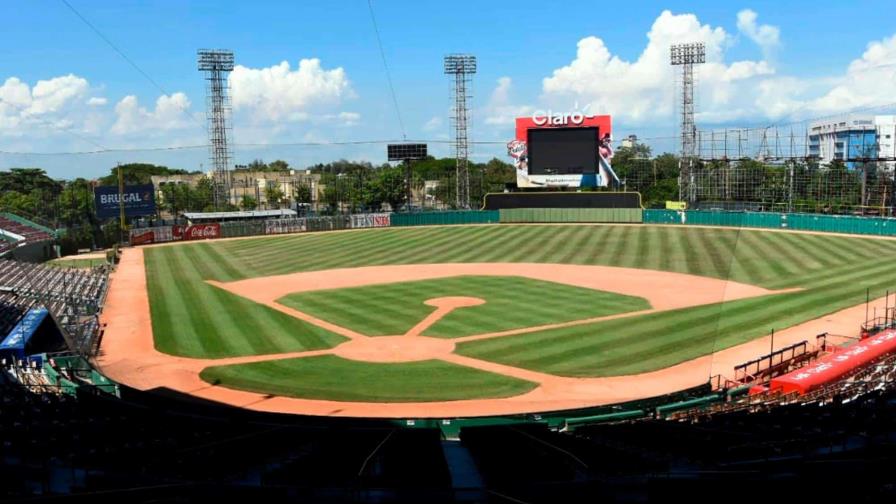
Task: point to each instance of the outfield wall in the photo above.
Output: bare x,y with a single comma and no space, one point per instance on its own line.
846,224
538,215
879,226
446,218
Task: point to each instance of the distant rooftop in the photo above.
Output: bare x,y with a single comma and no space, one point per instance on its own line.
251,214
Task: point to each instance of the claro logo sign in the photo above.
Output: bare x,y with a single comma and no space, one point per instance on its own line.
551,118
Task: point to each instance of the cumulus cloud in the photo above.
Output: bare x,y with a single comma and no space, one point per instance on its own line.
433,124
279,93
97,101
170,112
643,89
767,37
500,109
868,80
49,100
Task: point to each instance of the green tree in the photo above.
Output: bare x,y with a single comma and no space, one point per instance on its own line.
248,203
76,204
139,173
203,196
26,180
388,187
257,165
273,195
278,165
302,193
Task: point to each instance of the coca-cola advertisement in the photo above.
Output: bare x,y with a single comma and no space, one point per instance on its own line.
197,232
142,238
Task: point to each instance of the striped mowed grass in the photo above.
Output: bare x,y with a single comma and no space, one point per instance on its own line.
192,318
510,303
336,379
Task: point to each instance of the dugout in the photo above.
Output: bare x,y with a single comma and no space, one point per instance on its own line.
35,333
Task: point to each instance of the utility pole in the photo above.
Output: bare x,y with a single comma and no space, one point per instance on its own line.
121,219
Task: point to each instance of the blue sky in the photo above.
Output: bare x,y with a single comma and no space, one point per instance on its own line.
770,61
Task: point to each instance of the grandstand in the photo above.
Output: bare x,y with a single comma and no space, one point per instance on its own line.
72,296
65,429
17,232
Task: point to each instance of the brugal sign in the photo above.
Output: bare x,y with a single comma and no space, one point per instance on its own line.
138,200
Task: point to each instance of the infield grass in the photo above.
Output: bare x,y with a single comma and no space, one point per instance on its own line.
511,303
337,379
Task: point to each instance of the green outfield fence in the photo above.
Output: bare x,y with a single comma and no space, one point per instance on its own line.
446,218
880,226
617,215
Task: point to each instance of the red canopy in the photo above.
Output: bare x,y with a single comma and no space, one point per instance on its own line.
834,366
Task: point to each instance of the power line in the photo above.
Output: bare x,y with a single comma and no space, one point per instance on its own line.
267,145
379,43
125,57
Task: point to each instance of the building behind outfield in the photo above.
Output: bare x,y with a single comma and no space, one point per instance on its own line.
852,136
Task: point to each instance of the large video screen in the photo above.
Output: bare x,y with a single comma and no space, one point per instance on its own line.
562,151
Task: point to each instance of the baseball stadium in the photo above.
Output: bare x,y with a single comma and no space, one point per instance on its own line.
543,312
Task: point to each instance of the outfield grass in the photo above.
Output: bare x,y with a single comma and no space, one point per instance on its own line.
333,378
192,318
511,303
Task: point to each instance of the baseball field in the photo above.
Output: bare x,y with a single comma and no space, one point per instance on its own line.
487,313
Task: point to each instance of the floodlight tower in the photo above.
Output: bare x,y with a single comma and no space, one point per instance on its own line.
217,64
462,67
686,56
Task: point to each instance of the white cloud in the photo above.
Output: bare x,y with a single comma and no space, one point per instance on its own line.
97,101
500,110
53,103
171,112
350,117
767,37
643,90
278,93
433,124
868,80
53,95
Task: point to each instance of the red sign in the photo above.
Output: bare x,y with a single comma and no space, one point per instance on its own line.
143,238
524,124
837,365
197,232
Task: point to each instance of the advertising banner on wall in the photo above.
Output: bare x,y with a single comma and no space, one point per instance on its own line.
567,150
197,232
370,220
285,226
162,234
138,200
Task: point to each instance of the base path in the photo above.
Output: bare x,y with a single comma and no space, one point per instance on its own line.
128,355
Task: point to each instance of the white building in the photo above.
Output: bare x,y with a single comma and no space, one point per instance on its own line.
853,137
629,141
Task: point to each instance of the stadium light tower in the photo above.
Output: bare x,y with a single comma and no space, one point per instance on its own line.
217,65
686,56
462,67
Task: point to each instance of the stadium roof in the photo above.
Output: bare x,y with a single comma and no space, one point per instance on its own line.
251,214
